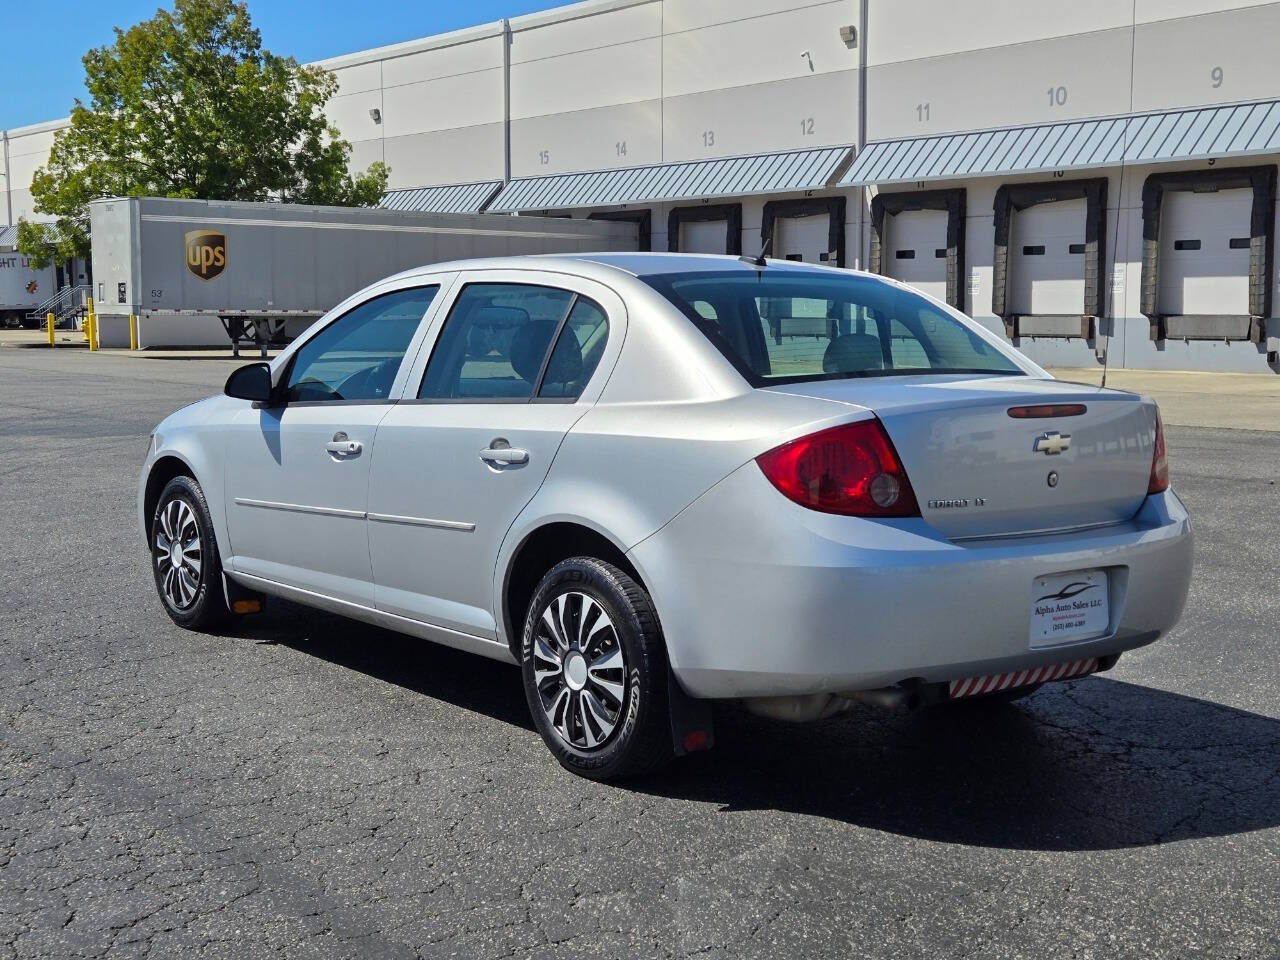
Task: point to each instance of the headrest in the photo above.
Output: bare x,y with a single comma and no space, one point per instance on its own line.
486,326
529,346
852,352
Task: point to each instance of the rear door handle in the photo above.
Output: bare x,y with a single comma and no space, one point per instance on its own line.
500,452
342,446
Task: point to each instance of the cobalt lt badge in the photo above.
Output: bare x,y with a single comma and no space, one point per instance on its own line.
206,253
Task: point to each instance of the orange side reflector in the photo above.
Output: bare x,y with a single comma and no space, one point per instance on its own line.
246,606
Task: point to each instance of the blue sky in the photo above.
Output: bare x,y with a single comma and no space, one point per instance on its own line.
41,73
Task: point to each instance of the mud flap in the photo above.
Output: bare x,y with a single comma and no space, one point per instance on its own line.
692,725
241,600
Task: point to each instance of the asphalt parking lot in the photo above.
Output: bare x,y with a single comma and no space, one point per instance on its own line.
307,786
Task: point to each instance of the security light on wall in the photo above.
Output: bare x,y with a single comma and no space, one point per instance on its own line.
375,115
849,35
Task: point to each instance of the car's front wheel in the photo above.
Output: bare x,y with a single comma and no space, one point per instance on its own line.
184,556
595,671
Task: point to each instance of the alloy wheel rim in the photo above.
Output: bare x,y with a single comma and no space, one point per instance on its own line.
179,554
580,670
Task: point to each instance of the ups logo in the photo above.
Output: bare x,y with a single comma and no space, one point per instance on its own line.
206,253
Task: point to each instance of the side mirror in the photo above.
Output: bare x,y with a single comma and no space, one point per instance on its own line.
250,382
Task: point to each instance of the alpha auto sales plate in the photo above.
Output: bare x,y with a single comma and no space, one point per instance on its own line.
1066,607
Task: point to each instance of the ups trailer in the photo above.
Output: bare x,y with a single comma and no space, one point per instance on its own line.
23,288
191,273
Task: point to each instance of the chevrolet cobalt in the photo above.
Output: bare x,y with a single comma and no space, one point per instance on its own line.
655,481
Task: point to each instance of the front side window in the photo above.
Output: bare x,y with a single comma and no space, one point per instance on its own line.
358,356
777,326
497,344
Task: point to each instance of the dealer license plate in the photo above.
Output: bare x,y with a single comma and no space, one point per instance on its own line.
1066,607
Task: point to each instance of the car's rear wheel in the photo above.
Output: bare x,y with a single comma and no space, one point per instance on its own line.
184,556
595,671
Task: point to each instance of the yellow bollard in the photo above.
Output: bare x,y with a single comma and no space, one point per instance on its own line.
48,327
93,331
133,332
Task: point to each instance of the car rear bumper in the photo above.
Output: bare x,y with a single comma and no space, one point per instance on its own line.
760,597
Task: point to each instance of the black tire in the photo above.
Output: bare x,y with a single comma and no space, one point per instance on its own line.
203,605
640,740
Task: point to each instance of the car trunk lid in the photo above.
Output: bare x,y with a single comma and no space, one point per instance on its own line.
979,472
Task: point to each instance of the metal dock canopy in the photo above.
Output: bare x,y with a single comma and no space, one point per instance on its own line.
1222,131
691,180
454,198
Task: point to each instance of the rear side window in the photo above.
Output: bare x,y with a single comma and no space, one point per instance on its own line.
514,342
779,326
577,352
357,356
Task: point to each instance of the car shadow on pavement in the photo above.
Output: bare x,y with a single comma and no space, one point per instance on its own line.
462,679
1082,765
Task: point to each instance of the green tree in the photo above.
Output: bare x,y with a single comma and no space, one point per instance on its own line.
189,104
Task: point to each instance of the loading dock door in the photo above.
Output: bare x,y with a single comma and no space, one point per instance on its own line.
808,229
1046,259
1204,253
804,238
916,250
703,236
705,228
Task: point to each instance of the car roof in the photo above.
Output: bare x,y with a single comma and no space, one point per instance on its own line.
655,264
633,264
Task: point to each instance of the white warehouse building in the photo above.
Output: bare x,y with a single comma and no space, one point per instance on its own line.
1072,175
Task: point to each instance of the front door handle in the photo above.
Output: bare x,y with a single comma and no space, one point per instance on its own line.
342,446
501,452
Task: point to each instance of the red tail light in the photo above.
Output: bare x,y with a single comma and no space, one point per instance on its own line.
1051,411
851,469
1159,482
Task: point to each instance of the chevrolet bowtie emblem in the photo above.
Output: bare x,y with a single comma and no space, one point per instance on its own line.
1052,442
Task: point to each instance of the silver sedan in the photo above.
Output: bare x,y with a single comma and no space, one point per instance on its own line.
657,481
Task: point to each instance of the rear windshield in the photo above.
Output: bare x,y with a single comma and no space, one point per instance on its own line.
777,326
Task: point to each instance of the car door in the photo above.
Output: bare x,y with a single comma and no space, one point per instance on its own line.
518,359
297,469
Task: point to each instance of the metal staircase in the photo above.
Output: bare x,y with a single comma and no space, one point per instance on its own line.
68,306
